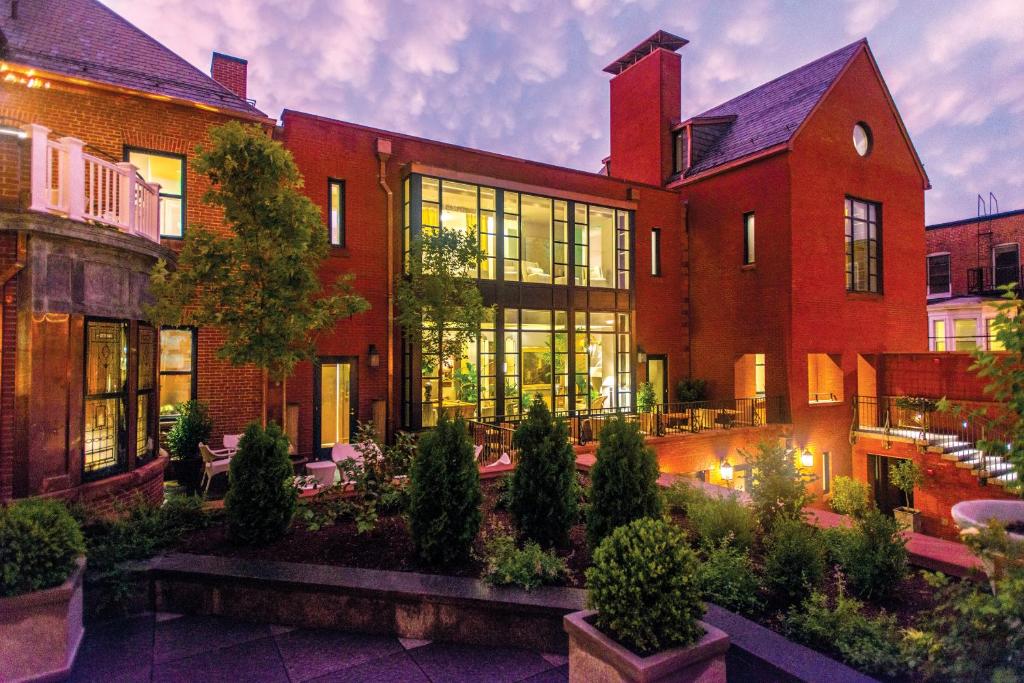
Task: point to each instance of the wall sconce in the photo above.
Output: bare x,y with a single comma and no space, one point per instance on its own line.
641,355
807,459
725,470
373,356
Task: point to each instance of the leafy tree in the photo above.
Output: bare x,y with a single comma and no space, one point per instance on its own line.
436,294
624,480
645,398
192,427
259,283
543,497
777,487
906,475
444,495
261,500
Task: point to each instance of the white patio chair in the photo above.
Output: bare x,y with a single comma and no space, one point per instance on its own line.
213,464
231,442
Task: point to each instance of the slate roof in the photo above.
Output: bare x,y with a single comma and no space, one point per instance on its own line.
85,39
770,114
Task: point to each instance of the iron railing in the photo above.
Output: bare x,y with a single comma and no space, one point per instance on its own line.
986,280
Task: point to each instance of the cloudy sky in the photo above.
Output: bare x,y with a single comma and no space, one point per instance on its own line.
523,77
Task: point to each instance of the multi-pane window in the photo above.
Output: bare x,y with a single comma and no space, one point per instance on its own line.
938,274
177,368
678,151
461,207
1006,262
992,330
938,335
169,171
602,247
863,256
336,212
748,238
602,368
145,445
965,334
106,396
655,251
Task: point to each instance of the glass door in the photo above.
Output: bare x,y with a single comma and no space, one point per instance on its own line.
335,404
657,375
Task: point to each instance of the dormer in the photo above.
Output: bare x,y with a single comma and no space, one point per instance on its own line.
692,138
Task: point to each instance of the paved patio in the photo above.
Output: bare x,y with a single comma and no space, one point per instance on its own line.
168,647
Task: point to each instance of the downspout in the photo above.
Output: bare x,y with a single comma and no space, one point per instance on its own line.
689,290
383,154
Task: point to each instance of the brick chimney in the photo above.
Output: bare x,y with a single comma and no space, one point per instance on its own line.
645,103
231,72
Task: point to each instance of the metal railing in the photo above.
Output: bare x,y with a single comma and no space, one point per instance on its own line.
953,433
985,279
83,187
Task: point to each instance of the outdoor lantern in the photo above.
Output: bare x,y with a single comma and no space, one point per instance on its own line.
725,469
807,458
374,356
641,355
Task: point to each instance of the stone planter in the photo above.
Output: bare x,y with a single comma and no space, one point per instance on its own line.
908,518
975,514
595,658
40,632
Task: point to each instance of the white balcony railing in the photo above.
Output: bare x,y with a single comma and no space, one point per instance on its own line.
68,182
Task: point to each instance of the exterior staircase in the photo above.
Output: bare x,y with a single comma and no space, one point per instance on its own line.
966,456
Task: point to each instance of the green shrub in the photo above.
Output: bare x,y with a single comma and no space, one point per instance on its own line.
872,554
444,494
681,495
690,390
192,428
722,520
777,487
39,543
643,584
261,500
906,475
375,480
624,480
794,560
645,398
528,568
972,634
728,578
872,645
543,495
850,497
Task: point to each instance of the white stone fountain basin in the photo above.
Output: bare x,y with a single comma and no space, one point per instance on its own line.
976,514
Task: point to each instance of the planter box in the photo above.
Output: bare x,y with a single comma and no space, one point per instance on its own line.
908,518
40,632
595,658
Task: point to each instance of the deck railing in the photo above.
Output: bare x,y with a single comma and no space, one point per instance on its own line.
82,187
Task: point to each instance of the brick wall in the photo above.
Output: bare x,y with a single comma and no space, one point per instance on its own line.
8,342
970,244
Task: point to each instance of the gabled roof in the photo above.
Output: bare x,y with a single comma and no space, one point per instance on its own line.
770,114
85,39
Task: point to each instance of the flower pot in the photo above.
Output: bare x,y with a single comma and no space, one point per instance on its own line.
908,518
596,658
40,631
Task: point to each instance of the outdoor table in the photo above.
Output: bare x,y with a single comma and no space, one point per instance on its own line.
323,470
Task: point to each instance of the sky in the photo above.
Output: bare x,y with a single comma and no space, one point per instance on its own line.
524,77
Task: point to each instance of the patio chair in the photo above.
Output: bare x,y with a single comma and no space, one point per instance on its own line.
213,464
231,442
341,452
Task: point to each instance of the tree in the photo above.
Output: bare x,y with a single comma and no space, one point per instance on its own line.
778,489
438,309
544,496
260,283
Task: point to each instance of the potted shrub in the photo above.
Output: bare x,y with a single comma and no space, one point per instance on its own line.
915,411
192,428
41,568
644,622
906,475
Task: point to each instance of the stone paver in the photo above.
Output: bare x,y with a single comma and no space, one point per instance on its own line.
169,647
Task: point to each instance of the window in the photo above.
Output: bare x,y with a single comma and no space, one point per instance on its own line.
169,171
656,251
336,212
748,238
862,140
106,396
145,445
965,331
678,151
824,378
992,329
938,335
1006,262
748,376
938,274
177,368
863,258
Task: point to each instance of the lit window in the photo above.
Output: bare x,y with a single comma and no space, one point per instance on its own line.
106,372
169,171
748,238
938,335
938,274
965,332
336,212
993,342
177,368
145,445
863,258
655,251
824,378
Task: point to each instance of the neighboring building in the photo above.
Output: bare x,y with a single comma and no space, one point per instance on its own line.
967,262
98,122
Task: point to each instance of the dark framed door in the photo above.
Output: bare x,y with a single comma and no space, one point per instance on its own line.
887,496
335,402
657,375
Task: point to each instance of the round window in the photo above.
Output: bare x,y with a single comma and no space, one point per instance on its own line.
862,139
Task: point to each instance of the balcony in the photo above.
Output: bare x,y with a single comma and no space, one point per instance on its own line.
987,280
70,183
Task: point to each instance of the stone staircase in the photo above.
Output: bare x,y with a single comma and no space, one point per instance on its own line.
967,456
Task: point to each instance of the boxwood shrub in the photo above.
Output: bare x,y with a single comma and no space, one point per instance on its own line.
261,501
39,542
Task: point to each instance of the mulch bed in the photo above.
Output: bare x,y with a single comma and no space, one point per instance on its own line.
389,546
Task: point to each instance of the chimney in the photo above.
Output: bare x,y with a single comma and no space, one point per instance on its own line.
645,103
231,72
